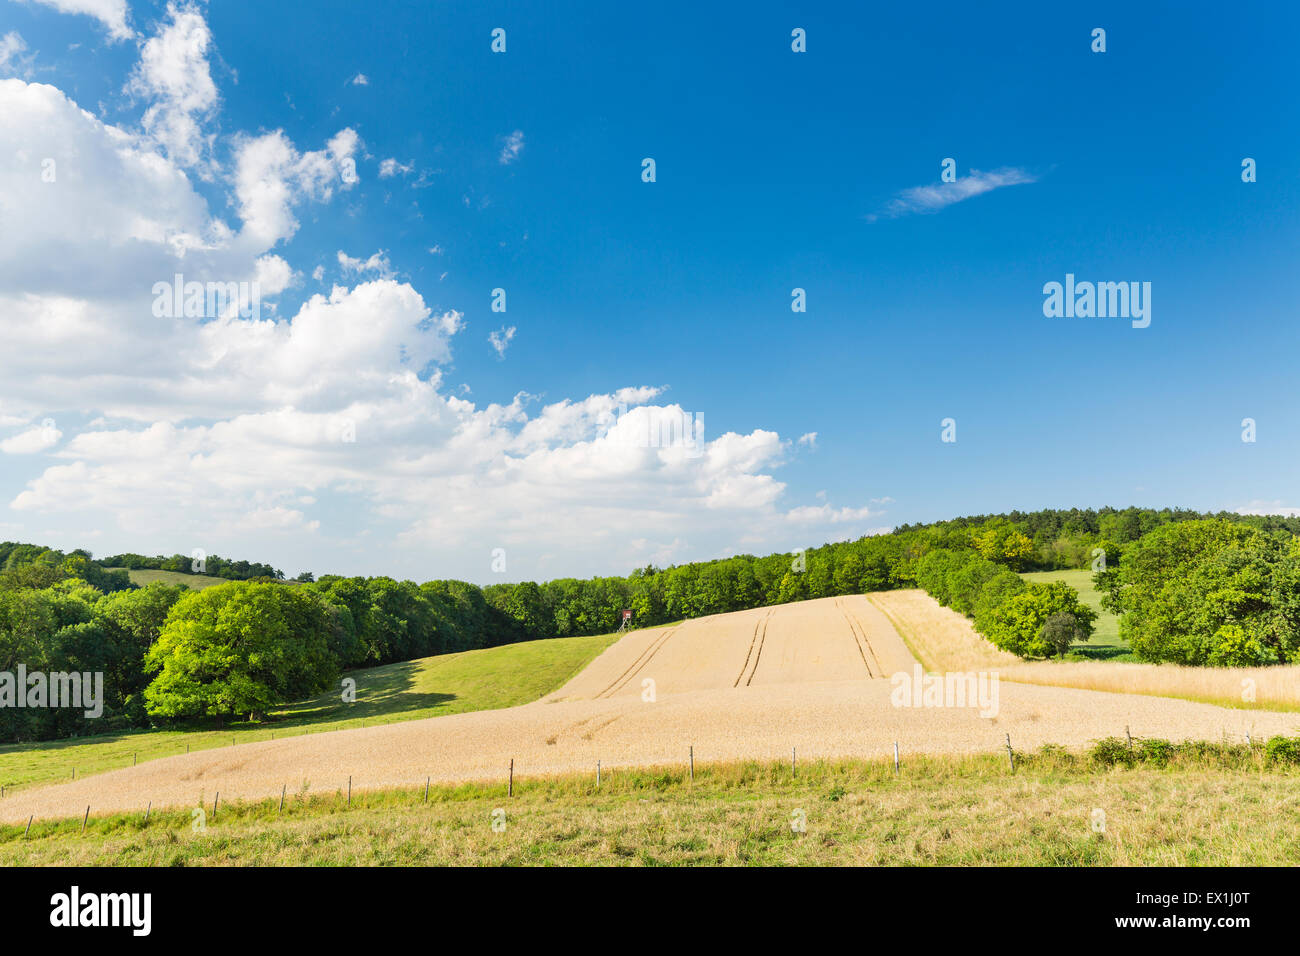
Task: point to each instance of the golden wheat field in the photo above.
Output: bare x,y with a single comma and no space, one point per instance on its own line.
815,677
945,641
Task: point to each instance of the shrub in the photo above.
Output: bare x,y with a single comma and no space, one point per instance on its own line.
1112,752
1155,751
1282,750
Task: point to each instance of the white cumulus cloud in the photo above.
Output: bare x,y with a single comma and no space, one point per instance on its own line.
329,428
32,440
173,72
272,176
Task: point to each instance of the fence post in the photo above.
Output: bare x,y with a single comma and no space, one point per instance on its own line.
1129,736
84,819
283,788
792,761
692,763
215,798
349,793
598,773
511,791
1011,757
29,826
146,811
895,757
426,789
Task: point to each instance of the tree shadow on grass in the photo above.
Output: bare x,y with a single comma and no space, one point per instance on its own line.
1082,652
388,691
63,743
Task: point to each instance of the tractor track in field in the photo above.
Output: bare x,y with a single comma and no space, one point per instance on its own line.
755,649
586,729
860,638
636,666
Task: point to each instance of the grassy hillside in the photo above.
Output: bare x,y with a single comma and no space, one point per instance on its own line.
485,679
196,581
1222,807
1106,644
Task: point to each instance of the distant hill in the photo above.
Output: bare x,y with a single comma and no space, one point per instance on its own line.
145,576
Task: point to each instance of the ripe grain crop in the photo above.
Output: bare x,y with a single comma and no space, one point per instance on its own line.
945,640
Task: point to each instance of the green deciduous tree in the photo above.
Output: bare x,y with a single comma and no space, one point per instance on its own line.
239,648
1018,624
1207,592
1062,631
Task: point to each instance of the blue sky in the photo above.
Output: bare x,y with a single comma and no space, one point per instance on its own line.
775,170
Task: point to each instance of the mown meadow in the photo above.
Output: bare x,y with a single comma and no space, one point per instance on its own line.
1154,804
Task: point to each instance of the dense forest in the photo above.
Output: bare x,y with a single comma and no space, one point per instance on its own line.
1190,588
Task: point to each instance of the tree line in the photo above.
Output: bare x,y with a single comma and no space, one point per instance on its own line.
212,565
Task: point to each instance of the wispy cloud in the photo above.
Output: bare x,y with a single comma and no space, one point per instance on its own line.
378,263
513,147
501,340
391,167
12,50
360,80
826,514
930,199
1274,507
111,13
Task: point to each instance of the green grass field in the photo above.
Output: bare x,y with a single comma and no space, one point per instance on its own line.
485,679
196,582
1106,644
1223,807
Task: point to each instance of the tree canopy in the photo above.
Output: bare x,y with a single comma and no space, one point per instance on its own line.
239,648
